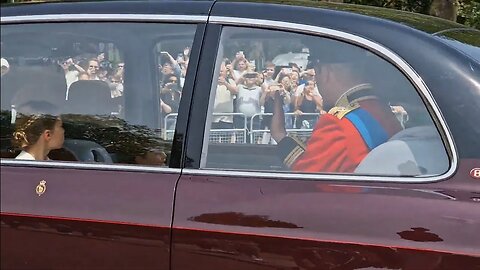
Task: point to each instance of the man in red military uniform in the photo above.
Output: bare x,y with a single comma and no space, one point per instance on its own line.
357,122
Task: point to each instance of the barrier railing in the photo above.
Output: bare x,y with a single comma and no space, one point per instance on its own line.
263,136
168,129
238,134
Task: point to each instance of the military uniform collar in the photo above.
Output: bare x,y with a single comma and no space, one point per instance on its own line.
349,101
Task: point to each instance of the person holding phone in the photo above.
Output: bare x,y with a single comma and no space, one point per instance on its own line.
308,102
170,65
240,67
224,97
248,98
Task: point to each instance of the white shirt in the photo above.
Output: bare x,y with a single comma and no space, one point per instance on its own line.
223,104
25,155
299,90
71,76
248,100
239,73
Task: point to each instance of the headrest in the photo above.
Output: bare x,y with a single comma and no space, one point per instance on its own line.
89,97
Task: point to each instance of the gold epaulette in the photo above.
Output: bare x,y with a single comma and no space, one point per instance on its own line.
348,102
340,112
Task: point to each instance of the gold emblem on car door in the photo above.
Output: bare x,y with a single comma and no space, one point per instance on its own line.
41,188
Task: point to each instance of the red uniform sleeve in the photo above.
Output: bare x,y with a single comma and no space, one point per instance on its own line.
335,146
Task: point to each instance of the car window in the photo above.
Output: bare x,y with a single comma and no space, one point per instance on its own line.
92,92
290,102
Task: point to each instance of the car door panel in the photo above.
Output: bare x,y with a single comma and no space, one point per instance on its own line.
87,214
288,224
102,219
238,219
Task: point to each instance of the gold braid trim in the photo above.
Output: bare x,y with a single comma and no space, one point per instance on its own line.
297,151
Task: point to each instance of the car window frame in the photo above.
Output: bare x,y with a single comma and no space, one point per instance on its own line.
382,51
198,21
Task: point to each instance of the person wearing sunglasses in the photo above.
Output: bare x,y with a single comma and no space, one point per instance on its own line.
92,69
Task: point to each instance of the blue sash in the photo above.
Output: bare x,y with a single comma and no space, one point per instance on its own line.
369,128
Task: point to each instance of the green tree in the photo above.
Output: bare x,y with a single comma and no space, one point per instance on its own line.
463,11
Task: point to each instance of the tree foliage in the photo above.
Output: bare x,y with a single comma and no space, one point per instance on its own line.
467,11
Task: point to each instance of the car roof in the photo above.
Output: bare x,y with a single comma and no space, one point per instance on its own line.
426,23
186,7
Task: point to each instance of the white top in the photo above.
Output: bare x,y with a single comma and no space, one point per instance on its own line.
223,104
239,73
25,155
269,81
248,100
71,76
299,90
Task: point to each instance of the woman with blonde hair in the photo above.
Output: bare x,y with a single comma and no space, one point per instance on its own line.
37,135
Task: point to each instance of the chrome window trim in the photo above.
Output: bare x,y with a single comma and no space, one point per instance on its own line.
291,176
104,17
85,166
387,54
277,25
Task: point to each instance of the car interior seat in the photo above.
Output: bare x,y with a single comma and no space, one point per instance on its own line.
87,151
90,97
411,152
33,83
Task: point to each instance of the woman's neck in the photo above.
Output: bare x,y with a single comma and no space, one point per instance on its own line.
38,152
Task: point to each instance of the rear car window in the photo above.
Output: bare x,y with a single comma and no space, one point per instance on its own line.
288,102
92,92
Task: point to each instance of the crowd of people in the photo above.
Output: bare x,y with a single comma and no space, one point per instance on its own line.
95,68
172,76
243,89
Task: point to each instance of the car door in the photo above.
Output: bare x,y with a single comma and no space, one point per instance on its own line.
104,200
240,206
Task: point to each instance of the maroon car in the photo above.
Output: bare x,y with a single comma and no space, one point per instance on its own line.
237,135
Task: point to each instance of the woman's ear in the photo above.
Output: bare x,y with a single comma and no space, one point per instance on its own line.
47,134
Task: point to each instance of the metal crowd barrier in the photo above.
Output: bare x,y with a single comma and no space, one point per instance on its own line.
168,129
235,135
241,134
263,136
